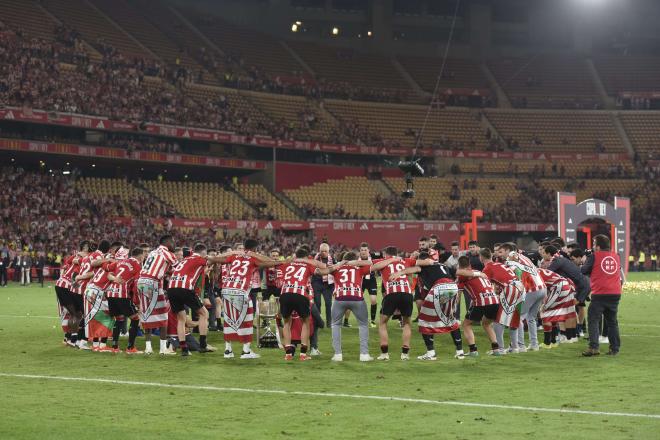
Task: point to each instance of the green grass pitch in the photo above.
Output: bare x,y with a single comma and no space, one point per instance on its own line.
338,406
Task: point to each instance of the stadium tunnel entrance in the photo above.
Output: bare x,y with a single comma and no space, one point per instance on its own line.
594,216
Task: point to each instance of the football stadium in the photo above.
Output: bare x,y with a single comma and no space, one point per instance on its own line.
361,219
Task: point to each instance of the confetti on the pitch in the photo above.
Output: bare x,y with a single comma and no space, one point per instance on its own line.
641,287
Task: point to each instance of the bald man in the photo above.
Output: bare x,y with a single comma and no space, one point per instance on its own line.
323,285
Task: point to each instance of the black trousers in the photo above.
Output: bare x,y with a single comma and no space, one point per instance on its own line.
3,276
323,291
606,306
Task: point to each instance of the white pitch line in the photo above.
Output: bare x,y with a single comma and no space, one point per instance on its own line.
29,316
336,395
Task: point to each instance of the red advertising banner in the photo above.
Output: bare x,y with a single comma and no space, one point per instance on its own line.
208,135
517,227
118,153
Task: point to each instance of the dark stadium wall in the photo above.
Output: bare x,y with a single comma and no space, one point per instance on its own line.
291,175
379,237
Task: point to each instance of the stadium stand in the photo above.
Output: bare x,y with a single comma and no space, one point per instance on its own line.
33,19
200,199
95,28
628,73
459,73
398,123
546,81
351,197
576,131
267,205
370,74
643,129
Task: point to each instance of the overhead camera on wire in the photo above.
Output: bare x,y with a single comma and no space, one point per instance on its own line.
411,168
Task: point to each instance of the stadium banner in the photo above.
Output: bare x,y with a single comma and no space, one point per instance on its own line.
230,224
119,153
208,135
517,227
384,233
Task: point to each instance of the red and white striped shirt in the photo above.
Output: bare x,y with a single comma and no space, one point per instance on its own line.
499,274
348,282
296,278
157,263
85,268
552,279
186,272
100,278
128,270
68,269
530,275
240,270
398,285
481,290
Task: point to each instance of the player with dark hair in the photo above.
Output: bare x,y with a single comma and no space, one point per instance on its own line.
439,307
120,305
296,297
397,295
154,304
370,284
484,304
238,308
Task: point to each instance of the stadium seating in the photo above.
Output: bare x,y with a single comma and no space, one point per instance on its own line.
93,26
200,199
355,194
600,187
392,121
546,81
643,129
288,108
628,73
571,168
131,20
435,191
358,69
256,194
575,131
30,18
459,73
254,48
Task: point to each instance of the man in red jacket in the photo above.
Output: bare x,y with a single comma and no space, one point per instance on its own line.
604,267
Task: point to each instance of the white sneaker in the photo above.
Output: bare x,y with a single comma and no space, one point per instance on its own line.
498,352
314,352
365,357
522,349
460,354
428,356
533,348
603,340
405,356
581,334
82,345
148,350
562,339
229,354
337,357
513,350
384,357
250,355
571,341
167,351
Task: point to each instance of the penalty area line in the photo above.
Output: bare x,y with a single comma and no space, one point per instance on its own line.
332,395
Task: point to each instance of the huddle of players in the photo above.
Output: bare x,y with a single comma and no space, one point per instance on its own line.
133,283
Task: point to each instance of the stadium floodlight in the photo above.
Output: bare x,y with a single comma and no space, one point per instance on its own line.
66,173
335,31
369,33
298,22
294,27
